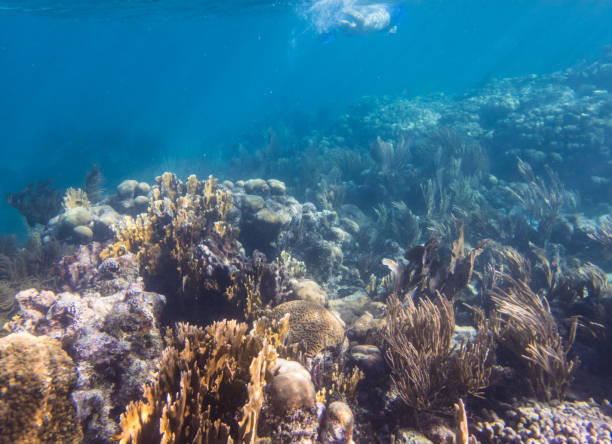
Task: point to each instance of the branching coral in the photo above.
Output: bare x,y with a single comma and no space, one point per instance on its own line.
186,247
37,204
8,305
394,159
509,260
454,147
336,382
427,273
398,221
528,329
330,195
93,184
75,197
451,188
569,281
462,435
8,245
541,199
34,265
209,388
427,373
603,234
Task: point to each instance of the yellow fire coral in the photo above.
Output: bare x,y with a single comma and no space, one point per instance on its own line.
209,387
183,242
36,380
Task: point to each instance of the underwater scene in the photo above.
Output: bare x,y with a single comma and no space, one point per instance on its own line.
305,221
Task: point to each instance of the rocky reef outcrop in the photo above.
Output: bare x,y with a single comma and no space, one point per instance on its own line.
113,336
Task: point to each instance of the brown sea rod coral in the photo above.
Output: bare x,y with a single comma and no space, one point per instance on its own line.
93,184
428,374
603,234
527,328
37,204
209,388
427,272
36,380
541,199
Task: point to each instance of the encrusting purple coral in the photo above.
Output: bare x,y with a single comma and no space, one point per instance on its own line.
114,339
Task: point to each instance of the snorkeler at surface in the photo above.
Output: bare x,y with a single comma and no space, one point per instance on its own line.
365,19
354,17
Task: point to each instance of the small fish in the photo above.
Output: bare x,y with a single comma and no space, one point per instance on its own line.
393,266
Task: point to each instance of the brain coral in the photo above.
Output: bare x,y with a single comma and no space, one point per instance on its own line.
310,325
292,390
36,379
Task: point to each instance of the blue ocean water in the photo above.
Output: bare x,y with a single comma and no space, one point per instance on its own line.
139,87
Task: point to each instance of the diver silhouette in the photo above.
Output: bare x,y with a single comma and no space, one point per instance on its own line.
365,19
354,17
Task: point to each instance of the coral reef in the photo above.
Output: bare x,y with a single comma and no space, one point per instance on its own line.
266,210
74,198
603,234
338,424
541,200
528,329
290,413
309,290
37,204
114,338
571,422
290,387
93,184
83,272
185,246
426,274
209,386
311,326
427,373
31,265
36,380
132,197
80,222
352,251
